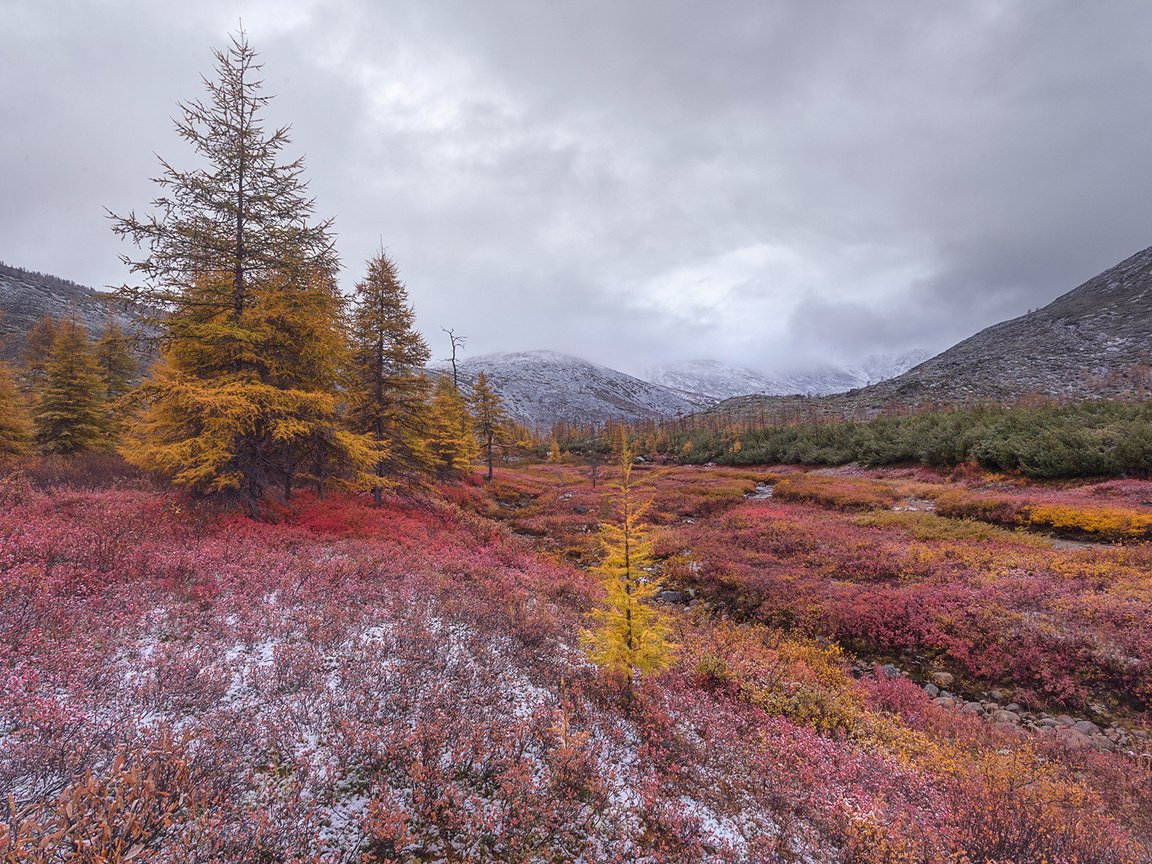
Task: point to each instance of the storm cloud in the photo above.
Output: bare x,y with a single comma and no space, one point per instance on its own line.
632,182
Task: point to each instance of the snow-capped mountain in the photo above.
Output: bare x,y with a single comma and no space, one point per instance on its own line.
711,379
544,387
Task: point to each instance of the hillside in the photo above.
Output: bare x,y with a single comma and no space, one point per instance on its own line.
26,296
544,387
1092,342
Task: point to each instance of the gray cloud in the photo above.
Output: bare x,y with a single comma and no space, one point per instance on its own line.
632,182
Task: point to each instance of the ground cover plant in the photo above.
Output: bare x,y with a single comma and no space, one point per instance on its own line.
405,683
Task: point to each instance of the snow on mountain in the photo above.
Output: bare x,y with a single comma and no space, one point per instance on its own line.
544,387
27,296
881,367
713,380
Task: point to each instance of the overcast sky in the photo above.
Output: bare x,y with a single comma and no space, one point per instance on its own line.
632,181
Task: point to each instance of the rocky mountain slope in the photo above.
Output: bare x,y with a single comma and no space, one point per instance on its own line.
544,387
713,380
1092,342
26,296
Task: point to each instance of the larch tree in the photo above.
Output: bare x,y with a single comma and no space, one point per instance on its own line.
15,422
490,419
70,414
230,247
386,387
37,349
629,637
244,406
118,367
451,437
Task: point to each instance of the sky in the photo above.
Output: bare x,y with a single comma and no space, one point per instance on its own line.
771,184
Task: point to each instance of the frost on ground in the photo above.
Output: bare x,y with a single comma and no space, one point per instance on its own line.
403,685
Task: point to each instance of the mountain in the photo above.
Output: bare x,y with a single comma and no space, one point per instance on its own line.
26,296
544,387
713,380
1092,342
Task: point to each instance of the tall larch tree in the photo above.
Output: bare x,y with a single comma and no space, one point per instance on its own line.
230,246
451,437
387,389
15,422
70,414
629,637
490,420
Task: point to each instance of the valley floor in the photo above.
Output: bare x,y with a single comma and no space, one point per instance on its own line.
405,684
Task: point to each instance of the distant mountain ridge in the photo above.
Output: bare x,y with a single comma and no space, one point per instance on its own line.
713,380
27,296
1095,341
545,387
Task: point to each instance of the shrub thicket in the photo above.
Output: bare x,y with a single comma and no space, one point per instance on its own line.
1083,439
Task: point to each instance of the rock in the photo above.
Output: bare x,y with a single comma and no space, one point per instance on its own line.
1072,739
972,708
1003,716
1101,742
996,695
1047,723
932,690
943,679
1086,727
945,701
670,596
889,671
1065,720
1012,706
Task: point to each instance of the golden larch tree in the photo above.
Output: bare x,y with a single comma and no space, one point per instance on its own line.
385,384
490,420
451,437
15,422
70,415
37,349
119,367
239,281
629,636
243,404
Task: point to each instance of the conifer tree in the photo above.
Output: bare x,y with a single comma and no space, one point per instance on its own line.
241,284
15,423
490,420
387,390
236,221
554,454
37,349
70,413
451,437
118,368
629,636
245,405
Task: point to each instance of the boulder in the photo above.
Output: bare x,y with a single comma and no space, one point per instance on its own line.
1072,739
1086,727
